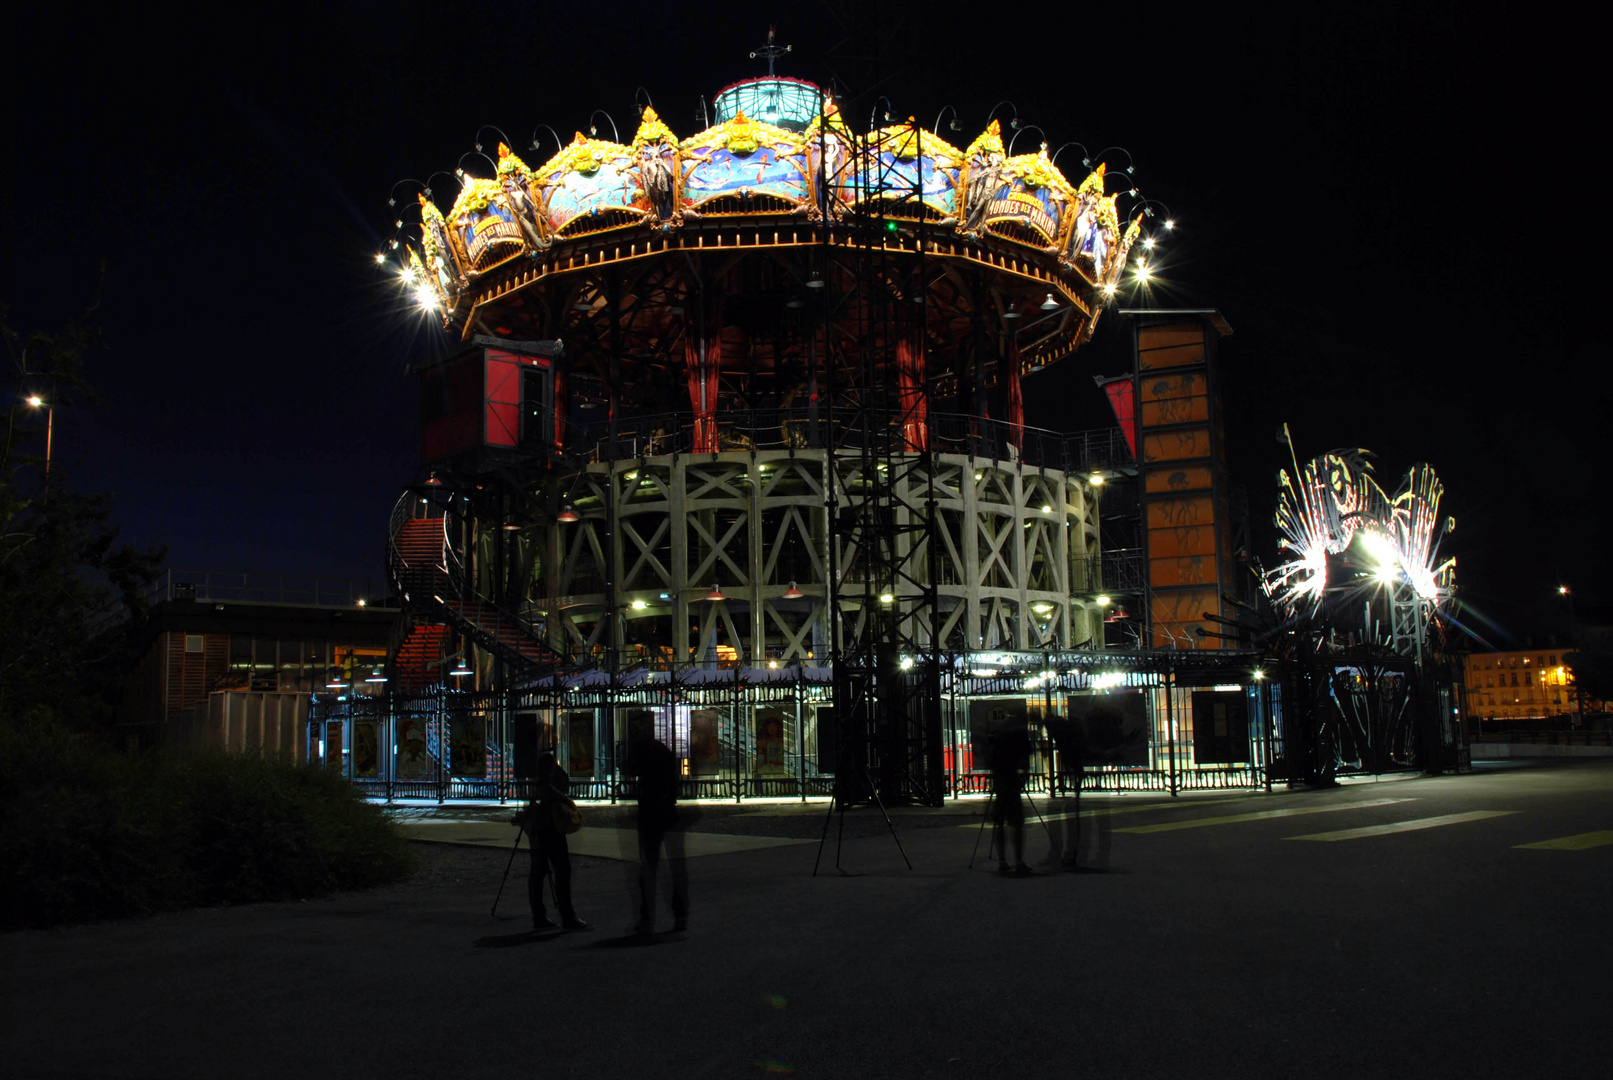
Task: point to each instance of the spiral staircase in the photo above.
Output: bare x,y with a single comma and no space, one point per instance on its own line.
438,604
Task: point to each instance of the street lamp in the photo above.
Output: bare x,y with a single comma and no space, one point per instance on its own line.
37,402
1579,695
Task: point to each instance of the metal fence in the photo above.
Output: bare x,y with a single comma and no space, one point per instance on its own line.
846,429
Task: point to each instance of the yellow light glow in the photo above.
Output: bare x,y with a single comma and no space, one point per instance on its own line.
407,274
380,257
886,598
35,401
639,605
1103,601
1096,479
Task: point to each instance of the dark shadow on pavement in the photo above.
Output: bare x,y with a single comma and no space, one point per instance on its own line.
636,941
524,937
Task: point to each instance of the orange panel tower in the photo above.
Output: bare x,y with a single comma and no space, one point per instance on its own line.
1186,523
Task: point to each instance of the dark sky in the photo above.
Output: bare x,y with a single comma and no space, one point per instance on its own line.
1389,204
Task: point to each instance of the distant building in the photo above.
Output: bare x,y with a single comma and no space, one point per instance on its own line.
232,660
1530,684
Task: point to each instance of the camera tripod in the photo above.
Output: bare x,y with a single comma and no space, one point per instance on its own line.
837,801
520,831
996,843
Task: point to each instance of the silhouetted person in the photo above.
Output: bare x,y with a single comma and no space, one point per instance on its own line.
657,772
1070,739
551,794
1010,757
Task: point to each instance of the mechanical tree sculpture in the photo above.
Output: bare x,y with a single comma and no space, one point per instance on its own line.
1354,554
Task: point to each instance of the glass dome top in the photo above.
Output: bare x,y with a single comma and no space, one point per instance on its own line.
787,103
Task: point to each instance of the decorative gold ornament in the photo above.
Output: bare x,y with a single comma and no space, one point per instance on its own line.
989,141
651,131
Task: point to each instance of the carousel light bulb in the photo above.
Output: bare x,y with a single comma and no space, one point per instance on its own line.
1143,273
425,298
1109,290
1148,242
1170,223
407,274
380,258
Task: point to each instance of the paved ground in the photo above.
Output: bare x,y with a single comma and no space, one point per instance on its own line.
1449,927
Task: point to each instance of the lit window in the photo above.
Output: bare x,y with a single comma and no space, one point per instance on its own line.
193,643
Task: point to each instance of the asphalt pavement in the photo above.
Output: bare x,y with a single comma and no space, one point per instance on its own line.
1425,927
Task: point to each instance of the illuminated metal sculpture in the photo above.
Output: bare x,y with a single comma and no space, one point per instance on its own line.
753,396
707,265
1332,503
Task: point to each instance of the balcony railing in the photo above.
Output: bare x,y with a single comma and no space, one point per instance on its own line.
846,429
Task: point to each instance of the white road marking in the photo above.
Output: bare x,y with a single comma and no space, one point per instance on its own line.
1405,826
1257,815
1572,843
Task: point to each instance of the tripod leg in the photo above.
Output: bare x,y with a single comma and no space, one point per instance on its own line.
981,831
1045,826
888,822
518,832
840,836
834,797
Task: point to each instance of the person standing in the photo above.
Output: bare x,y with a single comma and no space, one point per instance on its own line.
657,772
1069,738
551,799
1010,757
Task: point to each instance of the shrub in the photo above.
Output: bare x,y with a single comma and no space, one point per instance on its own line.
88,833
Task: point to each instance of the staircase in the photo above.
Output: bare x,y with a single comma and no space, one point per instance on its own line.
437,601
417,661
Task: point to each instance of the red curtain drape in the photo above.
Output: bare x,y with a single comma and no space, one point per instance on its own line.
911,395
703,375
559,406
1016,399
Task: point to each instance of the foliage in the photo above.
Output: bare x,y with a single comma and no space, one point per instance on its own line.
88,833
1593,673
61,563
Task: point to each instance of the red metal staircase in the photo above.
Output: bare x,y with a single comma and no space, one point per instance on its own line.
436,602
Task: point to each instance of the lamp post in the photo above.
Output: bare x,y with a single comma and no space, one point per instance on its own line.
1573,639
37,402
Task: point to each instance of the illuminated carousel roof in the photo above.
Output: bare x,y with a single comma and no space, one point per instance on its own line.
779,169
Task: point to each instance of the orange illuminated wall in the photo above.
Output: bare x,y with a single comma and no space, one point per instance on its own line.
1186,525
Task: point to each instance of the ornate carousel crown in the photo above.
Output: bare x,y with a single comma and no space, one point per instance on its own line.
803,164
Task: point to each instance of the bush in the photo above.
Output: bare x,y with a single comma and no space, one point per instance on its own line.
88,833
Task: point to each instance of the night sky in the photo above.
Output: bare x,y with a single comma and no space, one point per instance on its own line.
1387,204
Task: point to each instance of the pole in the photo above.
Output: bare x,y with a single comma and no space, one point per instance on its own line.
50,428
1170,729
1265,723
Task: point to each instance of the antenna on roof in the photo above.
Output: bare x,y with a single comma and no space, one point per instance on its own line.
771,51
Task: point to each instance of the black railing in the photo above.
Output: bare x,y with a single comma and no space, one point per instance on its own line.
845,429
